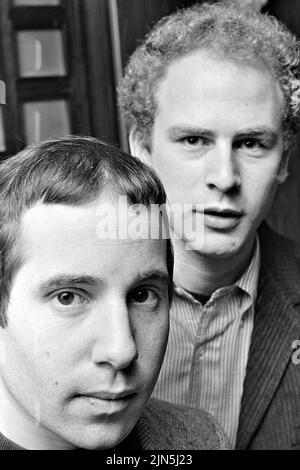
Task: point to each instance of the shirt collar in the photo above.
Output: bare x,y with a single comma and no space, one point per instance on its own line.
248,282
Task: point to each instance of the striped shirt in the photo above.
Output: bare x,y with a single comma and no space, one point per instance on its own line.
207,352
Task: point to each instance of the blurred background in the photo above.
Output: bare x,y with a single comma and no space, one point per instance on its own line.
61,61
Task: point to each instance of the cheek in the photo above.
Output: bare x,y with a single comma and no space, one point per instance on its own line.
29,359
167,162
152,344
182,185
26,373
260,181
35,350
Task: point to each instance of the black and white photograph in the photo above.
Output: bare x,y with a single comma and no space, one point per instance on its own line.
149,228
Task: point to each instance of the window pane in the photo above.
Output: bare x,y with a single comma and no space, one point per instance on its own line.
41,53
36,2
2,138
45,119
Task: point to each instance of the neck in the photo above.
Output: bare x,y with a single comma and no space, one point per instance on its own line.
203,275
22,429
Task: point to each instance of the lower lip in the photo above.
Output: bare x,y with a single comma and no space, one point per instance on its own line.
103,406
218,222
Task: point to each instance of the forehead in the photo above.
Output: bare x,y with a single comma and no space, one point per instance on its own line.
199,83
58,238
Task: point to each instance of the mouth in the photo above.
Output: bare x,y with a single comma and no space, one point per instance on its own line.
110,396
222,219
224,213
104,403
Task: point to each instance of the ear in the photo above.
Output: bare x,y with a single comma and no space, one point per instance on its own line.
138,148
283,169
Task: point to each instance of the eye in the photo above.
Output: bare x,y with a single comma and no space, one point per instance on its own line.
194,140
253,147
251,144
68,299
144,296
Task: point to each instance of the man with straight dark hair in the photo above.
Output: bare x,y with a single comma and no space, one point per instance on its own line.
211,100
84,305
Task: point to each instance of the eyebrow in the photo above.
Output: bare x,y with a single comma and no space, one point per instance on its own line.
262,132
154,275
176,132
62,281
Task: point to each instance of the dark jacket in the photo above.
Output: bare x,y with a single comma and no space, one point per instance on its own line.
270,410
166,427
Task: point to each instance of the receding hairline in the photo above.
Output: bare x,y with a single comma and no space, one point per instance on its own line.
103,198
217,57
184,128
69,170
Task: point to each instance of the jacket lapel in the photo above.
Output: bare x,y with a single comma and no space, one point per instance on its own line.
276,326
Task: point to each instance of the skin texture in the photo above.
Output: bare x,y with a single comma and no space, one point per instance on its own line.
256,4
103,332
217,141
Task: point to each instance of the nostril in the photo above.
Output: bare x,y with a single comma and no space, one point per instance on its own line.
236,187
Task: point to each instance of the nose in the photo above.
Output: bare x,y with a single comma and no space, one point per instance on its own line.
222,172
114,343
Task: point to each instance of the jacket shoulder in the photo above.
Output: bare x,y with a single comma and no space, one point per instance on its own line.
279,252
275,241
179,427
280,266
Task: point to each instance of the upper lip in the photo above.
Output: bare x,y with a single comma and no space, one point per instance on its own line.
109,395
223,212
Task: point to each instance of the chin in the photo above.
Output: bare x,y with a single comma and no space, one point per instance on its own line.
217,247
217,253
100,439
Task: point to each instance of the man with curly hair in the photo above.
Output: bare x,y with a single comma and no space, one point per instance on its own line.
211,99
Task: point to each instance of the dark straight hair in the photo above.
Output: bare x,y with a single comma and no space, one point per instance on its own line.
72,170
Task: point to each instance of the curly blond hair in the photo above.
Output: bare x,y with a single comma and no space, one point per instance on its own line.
238,34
